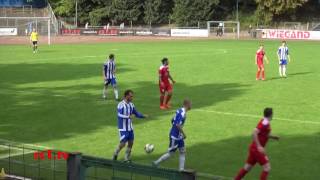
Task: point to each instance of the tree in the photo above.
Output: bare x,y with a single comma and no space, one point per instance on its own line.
189,12
127,10
157,11
269,10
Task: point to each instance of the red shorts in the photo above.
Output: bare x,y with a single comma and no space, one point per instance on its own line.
165,87
256,157
260,65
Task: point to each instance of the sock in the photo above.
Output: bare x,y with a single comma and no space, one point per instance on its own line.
264,175
284,70
241,174
163,158
128,154
116,94
280,70
182,159
258,74
116,152
161,99
168,99
34,48
262,74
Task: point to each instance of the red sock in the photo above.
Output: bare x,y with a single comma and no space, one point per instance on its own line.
258,74
264,175
161,99
241,174
262,74
168,99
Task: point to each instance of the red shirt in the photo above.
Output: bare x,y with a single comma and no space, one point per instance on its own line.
263,136
260,56
164,74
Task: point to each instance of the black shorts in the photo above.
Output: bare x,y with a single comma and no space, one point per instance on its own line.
34,42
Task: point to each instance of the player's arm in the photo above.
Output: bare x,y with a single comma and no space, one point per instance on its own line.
138,114
274,137
256,140
256,59
120,111
103,73
278,54
181,131
170,77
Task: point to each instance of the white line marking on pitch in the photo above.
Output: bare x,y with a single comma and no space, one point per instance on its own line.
245,115
256,116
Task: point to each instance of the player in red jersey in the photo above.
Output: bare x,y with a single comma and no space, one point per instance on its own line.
257,154
164,84
260,57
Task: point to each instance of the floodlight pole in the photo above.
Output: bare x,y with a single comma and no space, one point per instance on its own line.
76,19
237,13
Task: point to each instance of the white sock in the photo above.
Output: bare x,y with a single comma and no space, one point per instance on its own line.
116,94
280,70
163,158
284,70
182,159
128,154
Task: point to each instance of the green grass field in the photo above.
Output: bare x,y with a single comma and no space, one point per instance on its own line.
53,98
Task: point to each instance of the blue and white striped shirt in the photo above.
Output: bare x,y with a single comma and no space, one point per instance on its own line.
178,119
125,110
109,68
283,52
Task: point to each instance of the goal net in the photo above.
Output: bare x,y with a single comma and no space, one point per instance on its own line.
228,29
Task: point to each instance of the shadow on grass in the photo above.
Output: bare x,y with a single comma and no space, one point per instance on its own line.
40,114
293,157
289,75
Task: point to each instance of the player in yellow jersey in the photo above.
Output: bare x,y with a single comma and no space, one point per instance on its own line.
34,40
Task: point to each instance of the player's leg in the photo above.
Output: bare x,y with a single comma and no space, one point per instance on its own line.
265,172
127,155
243,171
36,46
182,155
172,148
284,69
264,162
123,139
168,97
115,89
262,72
258,73
162,96
251,161
105,87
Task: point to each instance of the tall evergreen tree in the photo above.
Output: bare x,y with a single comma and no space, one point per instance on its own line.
127,10
157,11
190,12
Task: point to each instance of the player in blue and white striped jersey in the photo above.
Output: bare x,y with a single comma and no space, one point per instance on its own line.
109,70
284,58
126,112
177,136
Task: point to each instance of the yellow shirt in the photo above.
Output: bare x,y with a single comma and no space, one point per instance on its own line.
34,36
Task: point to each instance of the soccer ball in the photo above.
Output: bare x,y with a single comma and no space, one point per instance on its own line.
148,148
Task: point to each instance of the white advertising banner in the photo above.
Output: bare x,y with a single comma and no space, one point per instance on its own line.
189,33
290,34
8,32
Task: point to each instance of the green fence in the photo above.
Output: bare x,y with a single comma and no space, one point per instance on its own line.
24,161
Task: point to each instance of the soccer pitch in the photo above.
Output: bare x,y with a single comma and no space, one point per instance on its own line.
53,98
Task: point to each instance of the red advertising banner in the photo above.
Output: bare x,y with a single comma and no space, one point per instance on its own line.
70,31
290,34
108,32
